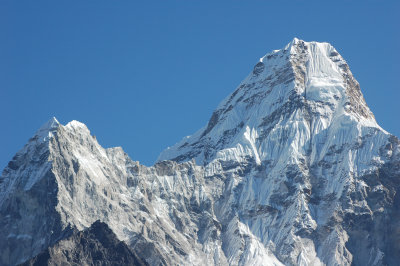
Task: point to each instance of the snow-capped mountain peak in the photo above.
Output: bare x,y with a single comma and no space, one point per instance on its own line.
306,82
50,125
46,129
291,169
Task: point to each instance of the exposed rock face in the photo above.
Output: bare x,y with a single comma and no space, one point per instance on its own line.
163,212
97,245
291,169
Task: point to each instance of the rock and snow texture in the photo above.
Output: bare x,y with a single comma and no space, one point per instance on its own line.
163,212
292,169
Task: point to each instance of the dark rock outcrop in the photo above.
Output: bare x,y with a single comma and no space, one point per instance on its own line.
97,245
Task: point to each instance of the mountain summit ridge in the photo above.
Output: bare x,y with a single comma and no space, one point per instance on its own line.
304,77
291,169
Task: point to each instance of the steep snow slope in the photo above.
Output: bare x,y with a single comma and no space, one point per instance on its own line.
291,169
305,86
316,153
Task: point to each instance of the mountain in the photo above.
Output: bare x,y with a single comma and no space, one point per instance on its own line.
97,245
291,169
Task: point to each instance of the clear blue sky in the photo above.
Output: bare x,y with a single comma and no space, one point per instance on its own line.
144,74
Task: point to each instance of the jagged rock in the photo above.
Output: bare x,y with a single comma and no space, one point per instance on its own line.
97,245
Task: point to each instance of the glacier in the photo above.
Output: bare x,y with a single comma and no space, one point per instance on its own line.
291,169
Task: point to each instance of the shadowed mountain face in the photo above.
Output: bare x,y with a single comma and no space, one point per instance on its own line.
292,168
97,245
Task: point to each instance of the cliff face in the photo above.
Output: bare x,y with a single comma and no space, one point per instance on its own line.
292,169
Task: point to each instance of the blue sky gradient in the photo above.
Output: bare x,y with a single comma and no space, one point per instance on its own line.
144,74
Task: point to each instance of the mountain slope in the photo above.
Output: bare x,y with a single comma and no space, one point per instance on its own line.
317,152
292,169
97,245
82,182
305,86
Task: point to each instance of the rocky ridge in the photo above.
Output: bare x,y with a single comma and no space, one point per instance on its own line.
96,245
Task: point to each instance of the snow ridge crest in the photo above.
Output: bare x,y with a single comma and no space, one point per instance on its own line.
309,80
